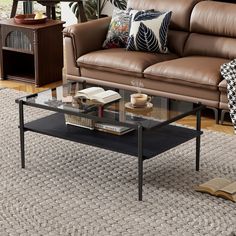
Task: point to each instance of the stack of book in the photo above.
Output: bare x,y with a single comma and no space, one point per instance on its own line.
92,100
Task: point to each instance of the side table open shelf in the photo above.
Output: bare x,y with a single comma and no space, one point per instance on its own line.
21,66
31,53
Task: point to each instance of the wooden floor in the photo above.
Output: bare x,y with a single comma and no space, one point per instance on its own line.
208,121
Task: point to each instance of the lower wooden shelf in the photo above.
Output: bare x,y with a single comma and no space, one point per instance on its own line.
22,77
155,140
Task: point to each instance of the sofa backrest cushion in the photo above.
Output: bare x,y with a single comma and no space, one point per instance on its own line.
176,40
181,10
213,30
215,18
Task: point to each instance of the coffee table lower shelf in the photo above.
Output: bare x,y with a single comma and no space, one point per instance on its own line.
155,140
142,143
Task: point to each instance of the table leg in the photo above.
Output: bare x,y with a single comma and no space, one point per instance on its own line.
27,7
140,163
14,7
198,139
53,10
48,12
22,135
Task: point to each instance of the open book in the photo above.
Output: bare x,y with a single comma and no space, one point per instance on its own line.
219,187
98,94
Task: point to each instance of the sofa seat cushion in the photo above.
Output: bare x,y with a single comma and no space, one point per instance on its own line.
193,71
223,86
118,60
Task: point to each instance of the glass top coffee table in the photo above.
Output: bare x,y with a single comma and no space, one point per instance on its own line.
151,130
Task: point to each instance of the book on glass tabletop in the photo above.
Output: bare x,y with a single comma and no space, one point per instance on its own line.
219,187
98,94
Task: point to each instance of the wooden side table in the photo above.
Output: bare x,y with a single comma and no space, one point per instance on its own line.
31,53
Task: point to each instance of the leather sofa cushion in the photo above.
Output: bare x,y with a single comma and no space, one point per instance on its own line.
210,45
160,88
176,41
118,60
215,18
181,10
195,71
223,86
213,31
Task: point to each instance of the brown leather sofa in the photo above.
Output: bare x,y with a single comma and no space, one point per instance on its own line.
202,36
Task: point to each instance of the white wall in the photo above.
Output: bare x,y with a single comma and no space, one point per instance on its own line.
108,9
67,15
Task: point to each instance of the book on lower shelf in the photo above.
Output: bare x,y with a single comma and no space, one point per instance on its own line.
98,94
79,121
113,129
219,187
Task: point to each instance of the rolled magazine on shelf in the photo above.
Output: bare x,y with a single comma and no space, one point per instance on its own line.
113,129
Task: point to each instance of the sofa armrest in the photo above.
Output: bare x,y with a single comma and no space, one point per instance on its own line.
87,37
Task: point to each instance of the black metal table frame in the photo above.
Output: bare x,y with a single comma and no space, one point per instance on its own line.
139,128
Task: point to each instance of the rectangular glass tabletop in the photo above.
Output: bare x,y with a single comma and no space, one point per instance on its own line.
162,111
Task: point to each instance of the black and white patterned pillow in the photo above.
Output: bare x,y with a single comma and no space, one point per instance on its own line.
148,31
228,71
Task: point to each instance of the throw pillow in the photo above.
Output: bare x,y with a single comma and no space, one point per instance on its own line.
118,32
228,71
148,31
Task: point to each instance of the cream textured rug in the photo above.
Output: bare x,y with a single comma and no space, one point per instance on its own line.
72,189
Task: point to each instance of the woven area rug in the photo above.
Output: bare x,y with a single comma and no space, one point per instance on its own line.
73,189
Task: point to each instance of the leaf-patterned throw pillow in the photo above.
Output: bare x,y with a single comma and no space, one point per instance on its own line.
148,31
118,32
